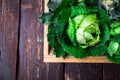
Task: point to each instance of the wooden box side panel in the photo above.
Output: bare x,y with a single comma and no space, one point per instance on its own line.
49,57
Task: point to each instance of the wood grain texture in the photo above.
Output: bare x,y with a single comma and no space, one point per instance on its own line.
9,24
30,59
83,71
111,72
31,66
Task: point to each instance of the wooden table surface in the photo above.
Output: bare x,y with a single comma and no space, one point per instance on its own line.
21,48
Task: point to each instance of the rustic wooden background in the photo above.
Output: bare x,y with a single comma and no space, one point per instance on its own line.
21,48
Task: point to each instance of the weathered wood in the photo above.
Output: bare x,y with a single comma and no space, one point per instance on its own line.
30,65
9,24
111,72
31,46
83,71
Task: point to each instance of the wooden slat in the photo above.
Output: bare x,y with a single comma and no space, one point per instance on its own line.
31,66
83,72
49,57
9,24
46,46
71,59
111,72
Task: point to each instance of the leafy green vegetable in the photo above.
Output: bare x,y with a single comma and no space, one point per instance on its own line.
114,49
81,28
114,45
115,28
78,23
88,31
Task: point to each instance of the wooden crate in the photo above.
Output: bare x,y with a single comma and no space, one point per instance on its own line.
49,57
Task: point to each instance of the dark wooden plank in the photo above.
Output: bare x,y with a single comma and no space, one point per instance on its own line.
111,72
83,71
31,66
9,24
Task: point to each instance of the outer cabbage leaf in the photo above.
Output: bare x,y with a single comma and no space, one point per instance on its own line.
97,51
82,9
105,35
53,41
55,32
104,21
76,51
103,16
61,22
71,31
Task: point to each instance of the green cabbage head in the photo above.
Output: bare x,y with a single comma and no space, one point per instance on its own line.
84,29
